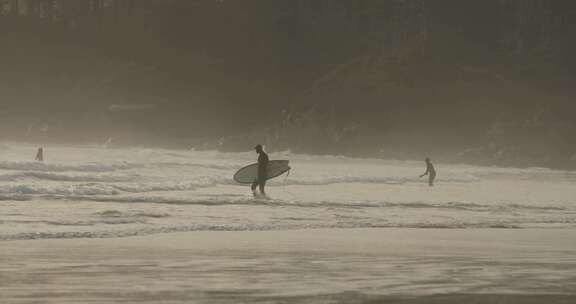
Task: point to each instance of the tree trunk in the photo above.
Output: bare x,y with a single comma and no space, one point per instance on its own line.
15,8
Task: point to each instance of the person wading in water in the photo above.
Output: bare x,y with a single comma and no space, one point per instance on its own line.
40,155
430,171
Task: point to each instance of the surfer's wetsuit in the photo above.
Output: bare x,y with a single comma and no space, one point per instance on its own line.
431,172
40,155
262,172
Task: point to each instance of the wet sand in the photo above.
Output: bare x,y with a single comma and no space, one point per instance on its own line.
299,266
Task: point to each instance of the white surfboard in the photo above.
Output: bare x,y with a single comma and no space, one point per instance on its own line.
249,174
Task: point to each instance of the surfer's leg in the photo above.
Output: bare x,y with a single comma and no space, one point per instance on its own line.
253,187
262,184
431,178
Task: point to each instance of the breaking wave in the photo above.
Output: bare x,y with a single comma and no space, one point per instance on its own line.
228,167
97,183
123,180
72,191
62,190
120,214
69,177
195,183
243,200
234,227
393,180
48,167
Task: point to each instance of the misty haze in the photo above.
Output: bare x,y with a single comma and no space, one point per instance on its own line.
287,151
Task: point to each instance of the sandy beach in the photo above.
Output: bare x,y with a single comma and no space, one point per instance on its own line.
300,266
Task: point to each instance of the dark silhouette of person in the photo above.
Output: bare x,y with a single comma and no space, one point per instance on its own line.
262,170
430,171
40,155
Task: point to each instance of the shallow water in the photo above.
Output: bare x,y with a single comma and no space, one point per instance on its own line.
90,191
318,266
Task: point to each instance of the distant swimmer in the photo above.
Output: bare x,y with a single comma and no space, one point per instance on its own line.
262,171
40,155
430,171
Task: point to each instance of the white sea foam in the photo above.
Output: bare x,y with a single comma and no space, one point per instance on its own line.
96,192
64,190
48,176
229,227
56,167
347,179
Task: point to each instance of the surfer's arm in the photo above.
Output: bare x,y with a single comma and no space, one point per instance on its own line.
425,173
263,164
262,169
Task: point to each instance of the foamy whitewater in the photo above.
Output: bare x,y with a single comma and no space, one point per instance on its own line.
93,192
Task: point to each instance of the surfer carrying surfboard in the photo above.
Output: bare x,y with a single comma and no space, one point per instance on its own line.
263,161
257,174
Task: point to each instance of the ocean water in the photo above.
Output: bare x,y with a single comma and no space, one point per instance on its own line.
94,192
115,213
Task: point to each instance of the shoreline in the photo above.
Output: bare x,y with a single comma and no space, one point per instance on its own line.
400,265
416,235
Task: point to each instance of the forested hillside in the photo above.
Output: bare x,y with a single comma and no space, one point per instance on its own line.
479,81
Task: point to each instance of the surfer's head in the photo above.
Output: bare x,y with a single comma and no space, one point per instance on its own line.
259,148
427,159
